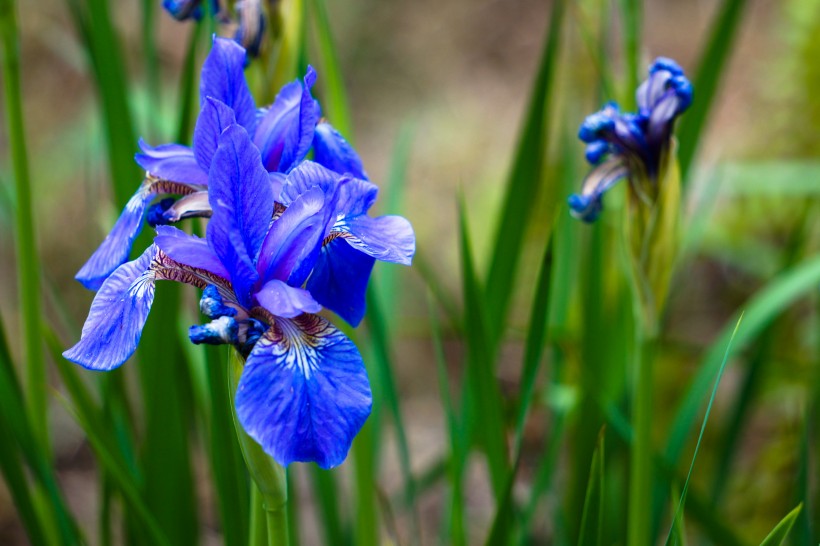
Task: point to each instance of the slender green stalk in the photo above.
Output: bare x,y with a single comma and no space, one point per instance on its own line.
631,12
258,526
640,470
28,269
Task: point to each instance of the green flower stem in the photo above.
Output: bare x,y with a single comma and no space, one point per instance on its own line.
640,475
28,270
270,493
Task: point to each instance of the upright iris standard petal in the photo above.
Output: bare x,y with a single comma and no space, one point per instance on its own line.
304,392
386,238
119,311
223,78
215,117
331,150
242,201
286,301
339,280
285,132
305,176
171,162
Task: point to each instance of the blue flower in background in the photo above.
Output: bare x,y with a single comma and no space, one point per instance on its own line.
631,144
304,393
284,133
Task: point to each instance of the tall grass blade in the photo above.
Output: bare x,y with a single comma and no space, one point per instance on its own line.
326,493
335,100
711,68
524,180
188,88
481,377
632,17
28,268
682,501
781,530
592,521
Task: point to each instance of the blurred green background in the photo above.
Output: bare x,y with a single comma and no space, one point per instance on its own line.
449,82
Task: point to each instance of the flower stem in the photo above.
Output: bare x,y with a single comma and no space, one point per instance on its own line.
269,495
640,475
28,270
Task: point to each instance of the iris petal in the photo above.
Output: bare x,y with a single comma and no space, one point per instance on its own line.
189,250
171,162
116,247
223,78
214,118
386,238
286,301
242,201
339,280
331,150
119,311
304,393
305,176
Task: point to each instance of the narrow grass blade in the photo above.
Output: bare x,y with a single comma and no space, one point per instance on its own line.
781,530
592,522
435,284
711,68
151,65
632,17
682,501
367,513
28,268
524,180
758,312
187,102
326,495
335,99
481,377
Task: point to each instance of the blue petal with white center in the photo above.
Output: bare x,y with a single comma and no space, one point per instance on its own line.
223,78
114,325
331,150
285,132
339,280
242,201
304,393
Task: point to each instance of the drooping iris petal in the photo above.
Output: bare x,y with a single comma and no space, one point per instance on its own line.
242,202
223,78
339,280
285,132
119,311
189,250
171,162
304,393
587,205
331,150
116,246
286,301
356,197
214,118
294,237
386,238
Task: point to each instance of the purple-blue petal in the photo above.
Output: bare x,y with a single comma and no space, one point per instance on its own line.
223,78
171,162
305,176
386,238
214,118
116,246
294,238
285,132
286,301
339,280
304,393
189,250
331,150
114,325
242,202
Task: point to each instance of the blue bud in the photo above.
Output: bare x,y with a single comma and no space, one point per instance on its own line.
596,151
212,306
683,90
217,332
183,9
585,207
594,125
251,28
156,214
665,63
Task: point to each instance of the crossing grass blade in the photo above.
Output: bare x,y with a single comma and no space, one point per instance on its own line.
524,180
592,521
335,99
682,501
710,71
781,530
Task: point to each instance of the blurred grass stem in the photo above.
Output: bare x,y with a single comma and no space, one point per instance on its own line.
640,471
28,270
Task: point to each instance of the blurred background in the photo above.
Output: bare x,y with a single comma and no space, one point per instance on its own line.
447,84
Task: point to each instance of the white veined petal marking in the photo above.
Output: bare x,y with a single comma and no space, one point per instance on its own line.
297,342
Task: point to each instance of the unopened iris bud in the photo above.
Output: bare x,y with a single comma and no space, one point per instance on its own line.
223,330
251,27
212,306
156,214
183,9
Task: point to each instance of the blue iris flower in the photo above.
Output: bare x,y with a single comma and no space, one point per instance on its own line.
284,133
621,145
304,392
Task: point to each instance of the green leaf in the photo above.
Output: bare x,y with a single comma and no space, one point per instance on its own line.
335,99
592,521
781,530
524,180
